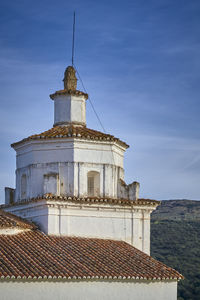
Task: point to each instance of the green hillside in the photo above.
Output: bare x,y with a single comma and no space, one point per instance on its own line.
178,210
175,240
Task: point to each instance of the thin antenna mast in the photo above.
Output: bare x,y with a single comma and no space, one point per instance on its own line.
73,40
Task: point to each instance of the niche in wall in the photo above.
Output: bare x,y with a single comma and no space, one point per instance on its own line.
93,184
23,186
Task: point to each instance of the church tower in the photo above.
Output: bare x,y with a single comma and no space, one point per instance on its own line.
70,179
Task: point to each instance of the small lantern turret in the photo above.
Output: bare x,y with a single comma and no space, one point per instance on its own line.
69,104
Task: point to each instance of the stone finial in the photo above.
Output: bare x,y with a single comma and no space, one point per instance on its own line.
70,80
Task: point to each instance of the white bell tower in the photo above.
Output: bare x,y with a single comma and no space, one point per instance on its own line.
70,179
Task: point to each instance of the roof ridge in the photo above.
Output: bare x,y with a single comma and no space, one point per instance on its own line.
72,131
8,220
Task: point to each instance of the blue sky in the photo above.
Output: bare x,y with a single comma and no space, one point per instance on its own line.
140,63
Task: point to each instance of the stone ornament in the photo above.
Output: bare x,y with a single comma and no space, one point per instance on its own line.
70,80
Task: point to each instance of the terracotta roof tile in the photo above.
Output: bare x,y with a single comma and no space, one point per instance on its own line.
89,200
69,92
72,131
8,220
33,255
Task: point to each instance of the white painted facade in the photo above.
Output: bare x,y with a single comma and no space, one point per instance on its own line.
71,159
69,109
89,290
130,224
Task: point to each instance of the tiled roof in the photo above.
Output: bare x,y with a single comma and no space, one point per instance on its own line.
8,220
72,131
34,255
69,92
90,200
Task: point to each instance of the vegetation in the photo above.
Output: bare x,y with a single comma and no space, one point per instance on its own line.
177,244
178,210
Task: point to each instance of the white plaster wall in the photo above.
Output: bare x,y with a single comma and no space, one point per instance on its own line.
66,173
69,150
86,290
44,151
71,160
99,152
35,179
78,109
72,179
111,222
108,179
146,232
36,212
69,109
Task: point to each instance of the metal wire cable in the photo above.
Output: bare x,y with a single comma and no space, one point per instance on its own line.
96,114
